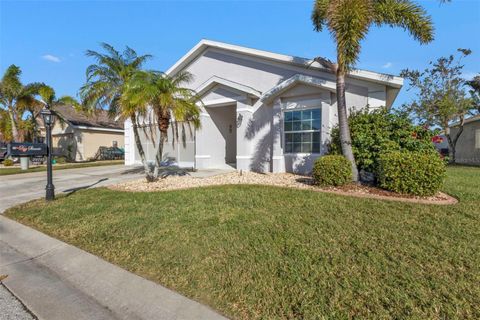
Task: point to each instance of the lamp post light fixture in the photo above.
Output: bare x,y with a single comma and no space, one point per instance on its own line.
48,119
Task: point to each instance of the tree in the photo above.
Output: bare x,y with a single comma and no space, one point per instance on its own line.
474,85
441,99
106,84
169,102
50,101
15,98
5,126
349,21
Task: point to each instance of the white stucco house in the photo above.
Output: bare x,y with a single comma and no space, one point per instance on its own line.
262,111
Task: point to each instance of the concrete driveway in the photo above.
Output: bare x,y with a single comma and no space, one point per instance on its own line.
19,188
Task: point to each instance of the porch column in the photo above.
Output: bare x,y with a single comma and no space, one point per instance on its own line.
244,145
278,159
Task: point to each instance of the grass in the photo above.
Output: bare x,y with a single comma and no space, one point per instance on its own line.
16,170
255,252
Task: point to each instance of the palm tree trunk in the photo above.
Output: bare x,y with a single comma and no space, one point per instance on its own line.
163,125
159,156
141,152
345,138
13,121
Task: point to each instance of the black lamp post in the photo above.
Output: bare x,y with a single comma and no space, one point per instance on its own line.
48,119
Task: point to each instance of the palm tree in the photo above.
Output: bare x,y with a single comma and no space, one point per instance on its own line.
50,101
16,98
105,87
169,101
349,21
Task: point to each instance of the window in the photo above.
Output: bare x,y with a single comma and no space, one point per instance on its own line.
302,131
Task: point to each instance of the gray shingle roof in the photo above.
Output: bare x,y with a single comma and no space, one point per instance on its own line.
100,119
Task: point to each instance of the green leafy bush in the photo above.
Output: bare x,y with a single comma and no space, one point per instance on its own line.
407,172
380,131
332,170
8,162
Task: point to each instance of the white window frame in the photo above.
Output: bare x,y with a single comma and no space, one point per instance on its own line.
284,142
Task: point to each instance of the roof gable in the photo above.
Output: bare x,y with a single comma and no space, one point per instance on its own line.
203,45
214,81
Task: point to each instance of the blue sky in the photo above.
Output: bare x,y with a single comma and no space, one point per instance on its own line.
48,39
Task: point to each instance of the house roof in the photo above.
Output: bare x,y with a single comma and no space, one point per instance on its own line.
100,119
386,79
471,119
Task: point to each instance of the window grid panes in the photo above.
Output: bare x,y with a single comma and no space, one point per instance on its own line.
302,131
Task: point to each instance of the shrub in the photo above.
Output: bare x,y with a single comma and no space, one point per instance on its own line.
60,159
8,162
380,131
407,172
332,170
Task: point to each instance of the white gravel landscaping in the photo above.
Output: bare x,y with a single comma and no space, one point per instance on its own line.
288,180
234,177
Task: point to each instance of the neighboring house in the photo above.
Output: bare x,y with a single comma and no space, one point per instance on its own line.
468,145
261,111
78,136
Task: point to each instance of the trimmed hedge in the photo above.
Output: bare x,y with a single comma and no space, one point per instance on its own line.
411,172
8,162
332,170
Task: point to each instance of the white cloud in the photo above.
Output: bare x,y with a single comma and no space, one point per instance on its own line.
387,65
51,58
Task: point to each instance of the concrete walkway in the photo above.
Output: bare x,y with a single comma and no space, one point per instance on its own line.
55,280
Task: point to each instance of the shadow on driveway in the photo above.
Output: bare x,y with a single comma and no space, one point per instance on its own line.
73,190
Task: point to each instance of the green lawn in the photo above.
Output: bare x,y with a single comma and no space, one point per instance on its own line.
16,170
255,252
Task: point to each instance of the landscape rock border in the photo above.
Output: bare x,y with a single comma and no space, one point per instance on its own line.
287,180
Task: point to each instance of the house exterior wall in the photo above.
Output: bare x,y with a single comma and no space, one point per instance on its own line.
468,145
65,141
94,139
260,144
180,151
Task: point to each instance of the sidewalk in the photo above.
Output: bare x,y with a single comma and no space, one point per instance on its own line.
55,280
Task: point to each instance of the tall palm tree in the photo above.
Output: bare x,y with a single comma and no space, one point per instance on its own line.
170,102
16,97
105,87
349,21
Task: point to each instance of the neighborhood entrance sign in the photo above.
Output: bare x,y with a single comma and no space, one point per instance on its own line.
17,149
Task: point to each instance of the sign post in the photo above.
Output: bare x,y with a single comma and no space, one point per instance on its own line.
48,119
